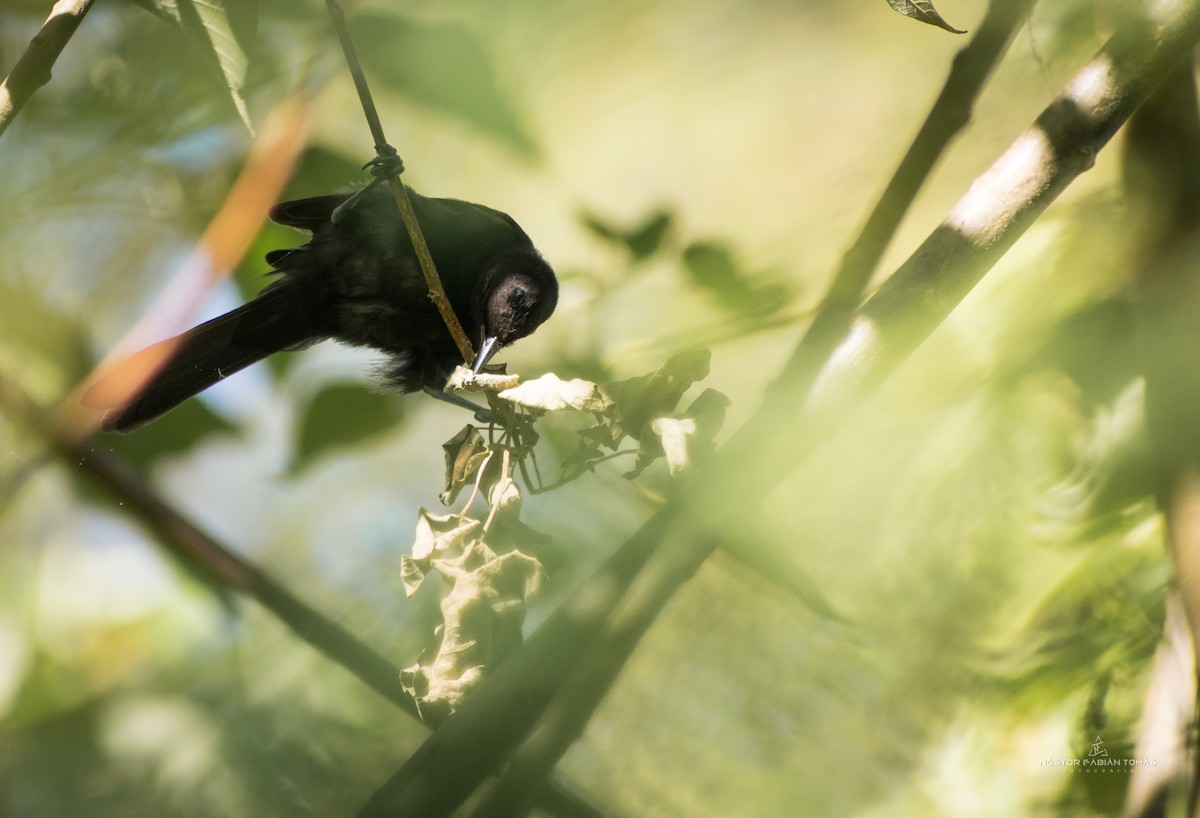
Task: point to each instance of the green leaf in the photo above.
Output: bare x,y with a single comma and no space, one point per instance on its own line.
674,435
465,453
642,241
224,31
551,393
340,416
683,440
323,169
441,65
32,331
1096,347
712,266
709,411
645,240
769,553
923,11
639,400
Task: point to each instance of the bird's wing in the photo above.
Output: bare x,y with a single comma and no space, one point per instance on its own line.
310,215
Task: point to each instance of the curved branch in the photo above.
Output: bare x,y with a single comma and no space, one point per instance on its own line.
32,70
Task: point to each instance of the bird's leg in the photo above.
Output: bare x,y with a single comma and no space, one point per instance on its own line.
482,413
387,164
339,212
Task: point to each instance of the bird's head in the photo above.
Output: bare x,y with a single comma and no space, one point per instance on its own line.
518,291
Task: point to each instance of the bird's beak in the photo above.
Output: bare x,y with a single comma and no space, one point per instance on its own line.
487,349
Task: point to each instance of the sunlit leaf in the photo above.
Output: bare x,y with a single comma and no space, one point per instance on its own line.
924,11
549,393
437,533
1105,611
463,379
504,496
482,614
683,440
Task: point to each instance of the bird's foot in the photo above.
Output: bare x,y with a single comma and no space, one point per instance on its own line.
482,413
386,165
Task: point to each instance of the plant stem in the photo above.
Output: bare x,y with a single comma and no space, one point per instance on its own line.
437,294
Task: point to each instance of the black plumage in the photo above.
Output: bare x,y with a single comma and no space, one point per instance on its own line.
357,280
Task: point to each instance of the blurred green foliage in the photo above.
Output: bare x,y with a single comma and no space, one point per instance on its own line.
341,414
966,580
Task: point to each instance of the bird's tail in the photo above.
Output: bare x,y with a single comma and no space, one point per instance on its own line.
161,376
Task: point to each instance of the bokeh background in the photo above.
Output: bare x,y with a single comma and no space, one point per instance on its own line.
967,580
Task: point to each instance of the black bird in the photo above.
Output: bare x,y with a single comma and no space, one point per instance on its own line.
357,280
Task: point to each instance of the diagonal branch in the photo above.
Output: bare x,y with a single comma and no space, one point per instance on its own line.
560,667
951,112
32,70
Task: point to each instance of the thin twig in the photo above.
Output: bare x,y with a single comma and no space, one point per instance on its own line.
437,294
563,662
505,469
475,485
588,467
32,70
